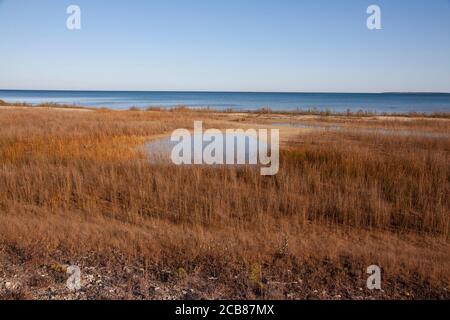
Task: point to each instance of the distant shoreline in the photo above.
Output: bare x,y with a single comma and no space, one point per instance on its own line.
4,105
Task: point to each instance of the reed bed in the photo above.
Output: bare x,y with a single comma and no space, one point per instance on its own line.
75,187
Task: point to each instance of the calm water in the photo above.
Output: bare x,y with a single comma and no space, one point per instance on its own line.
338,102
160,150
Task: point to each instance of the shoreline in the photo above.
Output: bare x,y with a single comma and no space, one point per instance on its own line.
4,105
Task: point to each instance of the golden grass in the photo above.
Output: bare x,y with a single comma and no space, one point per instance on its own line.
74,187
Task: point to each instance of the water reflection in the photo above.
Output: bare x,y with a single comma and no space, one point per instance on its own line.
245,147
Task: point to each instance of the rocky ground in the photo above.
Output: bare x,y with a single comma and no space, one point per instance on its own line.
102,283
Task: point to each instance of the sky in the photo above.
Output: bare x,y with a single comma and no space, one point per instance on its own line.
226,45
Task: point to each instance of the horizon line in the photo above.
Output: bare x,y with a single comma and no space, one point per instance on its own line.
231,91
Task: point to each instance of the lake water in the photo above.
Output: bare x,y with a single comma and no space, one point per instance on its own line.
160,150
337,102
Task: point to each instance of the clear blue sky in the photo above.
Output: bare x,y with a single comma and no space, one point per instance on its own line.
226,45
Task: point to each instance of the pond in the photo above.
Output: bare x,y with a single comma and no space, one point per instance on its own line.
231,149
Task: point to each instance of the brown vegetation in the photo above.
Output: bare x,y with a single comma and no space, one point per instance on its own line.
75,188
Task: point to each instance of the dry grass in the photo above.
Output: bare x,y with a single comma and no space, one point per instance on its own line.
348,113
74,187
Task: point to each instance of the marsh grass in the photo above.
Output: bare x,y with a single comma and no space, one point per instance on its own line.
75,185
